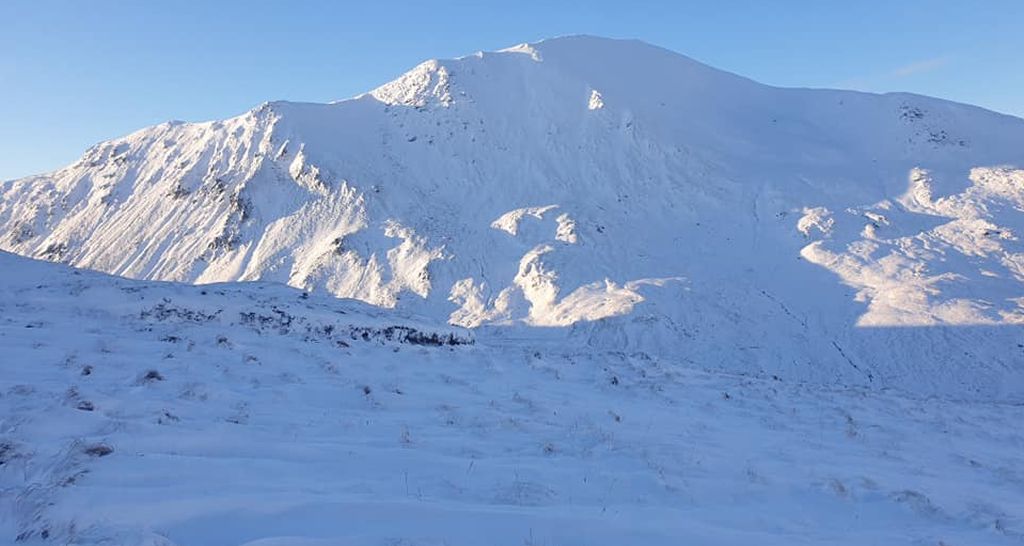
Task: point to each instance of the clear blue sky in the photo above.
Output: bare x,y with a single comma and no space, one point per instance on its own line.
75,72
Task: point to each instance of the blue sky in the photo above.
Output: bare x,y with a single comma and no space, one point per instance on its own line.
73,73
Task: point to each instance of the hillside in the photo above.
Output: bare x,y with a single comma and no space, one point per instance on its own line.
647,202
162,414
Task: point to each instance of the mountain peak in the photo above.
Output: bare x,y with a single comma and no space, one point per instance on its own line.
652,203
631,71
590,42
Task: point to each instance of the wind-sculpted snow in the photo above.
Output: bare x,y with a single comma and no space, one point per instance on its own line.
629,195
924,259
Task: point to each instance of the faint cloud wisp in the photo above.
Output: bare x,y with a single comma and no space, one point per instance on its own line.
905,71
920,67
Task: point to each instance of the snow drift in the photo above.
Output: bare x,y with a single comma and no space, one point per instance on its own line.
144,413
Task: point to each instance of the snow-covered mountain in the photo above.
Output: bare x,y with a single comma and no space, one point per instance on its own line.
645,202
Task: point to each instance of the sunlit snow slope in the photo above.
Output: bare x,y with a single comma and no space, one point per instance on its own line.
652,203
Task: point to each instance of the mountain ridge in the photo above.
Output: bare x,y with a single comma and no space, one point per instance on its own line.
607,185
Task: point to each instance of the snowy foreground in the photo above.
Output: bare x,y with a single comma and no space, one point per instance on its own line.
138,412
582,291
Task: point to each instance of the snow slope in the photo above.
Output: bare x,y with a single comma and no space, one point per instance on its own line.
610,191
157,414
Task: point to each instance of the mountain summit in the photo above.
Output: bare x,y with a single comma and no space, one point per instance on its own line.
643,201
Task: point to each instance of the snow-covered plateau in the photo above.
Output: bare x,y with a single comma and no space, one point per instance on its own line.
582,291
